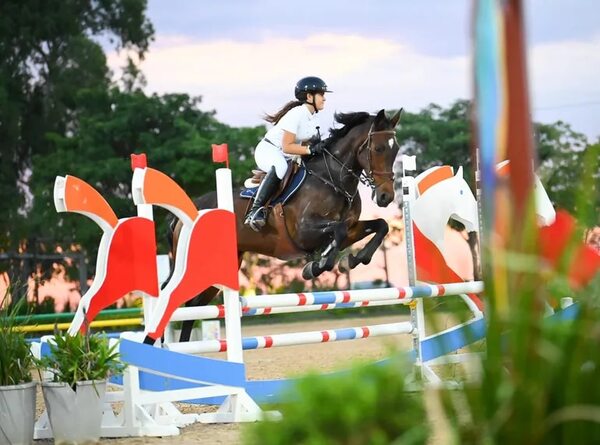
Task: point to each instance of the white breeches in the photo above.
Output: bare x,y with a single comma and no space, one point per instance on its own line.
267,155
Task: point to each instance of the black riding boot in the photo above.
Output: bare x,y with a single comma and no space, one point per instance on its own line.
256,215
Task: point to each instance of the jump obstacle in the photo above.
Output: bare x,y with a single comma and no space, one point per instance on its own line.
158,376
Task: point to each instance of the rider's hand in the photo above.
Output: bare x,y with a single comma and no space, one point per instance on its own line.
316,148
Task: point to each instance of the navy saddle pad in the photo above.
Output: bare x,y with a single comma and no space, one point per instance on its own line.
289,191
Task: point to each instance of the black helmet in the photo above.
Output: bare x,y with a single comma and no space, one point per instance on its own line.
311,85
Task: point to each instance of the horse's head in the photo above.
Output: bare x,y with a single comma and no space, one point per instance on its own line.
377,153
363,149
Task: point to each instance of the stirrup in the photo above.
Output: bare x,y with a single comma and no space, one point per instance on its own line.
256,220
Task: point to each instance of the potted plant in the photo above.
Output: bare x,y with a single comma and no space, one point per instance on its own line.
17,391
81,365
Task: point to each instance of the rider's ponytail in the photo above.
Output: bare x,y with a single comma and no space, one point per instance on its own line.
274,118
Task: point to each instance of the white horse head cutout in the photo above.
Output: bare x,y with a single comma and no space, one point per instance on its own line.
443,195
543,206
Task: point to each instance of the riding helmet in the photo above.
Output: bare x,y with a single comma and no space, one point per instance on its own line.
311,85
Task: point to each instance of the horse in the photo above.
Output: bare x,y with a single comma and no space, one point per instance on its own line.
322,217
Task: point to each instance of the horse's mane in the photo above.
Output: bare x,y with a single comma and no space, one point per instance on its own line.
349,121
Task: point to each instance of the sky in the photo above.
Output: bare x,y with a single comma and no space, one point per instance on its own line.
244,57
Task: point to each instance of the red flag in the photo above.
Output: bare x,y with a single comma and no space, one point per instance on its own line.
220,154
138,161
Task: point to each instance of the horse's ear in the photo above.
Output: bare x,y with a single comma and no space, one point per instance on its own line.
380,120
459,172
396,118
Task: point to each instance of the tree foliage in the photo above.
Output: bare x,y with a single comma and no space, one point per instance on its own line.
439,136
60,113
48,55
569,170
171,129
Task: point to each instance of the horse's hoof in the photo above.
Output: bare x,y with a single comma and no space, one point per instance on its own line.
344,264
149,340
308,273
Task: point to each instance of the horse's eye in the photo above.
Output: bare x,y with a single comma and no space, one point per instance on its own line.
379,148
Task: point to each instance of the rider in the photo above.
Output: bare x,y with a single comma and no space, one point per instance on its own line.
295,132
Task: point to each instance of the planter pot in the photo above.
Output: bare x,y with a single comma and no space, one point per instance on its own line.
75,416
17,413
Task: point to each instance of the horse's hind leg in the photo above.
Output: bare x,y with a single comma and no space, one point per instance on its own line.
328,257
201,300
357,232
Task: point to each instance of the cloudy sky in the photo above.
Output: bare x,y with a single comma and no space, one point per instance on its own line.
244,57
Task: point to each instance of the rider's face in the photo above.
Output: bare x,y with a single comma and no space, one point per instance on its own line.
318,100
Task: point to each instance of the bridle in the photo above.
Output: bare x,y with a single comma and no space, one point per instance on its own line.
365,177
369,177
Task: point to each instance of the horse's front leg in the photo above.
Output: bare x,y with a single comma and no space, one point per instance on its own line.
339,232
357,232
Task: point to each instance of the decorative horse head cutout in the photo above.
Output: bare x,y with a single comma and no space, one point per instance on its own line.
443,195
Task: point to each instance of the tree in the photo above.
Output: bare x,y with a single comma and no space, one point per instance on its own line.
47,57
437,136
171,129
568,168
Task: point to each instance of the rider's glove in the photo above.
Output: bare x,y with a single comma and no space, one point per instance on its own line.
316,148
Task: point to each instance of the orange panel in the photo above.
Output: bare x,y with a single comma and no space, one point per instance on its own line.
161,189
80,196
431,265
438,175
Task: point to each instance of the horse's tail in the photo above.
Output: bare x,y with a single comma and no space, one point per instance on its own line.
170,231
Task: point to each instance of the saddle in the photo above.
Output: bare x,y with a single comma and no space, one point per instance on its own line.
285,248
258,175
291,182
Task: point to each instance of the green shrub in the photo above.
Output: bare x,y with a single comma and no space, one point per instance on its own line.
367,405
16,360
540,384
541,378
81,357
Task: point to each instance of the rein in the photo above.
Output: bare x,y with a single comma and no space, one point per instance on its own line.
367,178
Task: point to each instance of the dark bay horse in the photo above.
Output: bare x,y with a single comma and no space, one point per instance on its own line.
322,218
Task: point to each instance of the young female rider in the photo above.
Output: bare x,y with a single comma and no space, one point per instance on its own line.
294,132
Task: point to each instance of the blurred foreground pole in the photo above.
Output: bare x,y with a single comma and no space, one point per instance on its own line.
504,131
